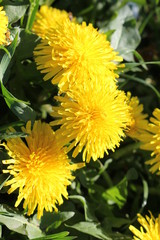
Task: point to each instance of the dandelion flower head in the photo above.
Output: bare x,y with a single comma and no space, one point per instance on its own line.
48,17
92,119
151,141
149,230
3,26
40,169
138,123
77,53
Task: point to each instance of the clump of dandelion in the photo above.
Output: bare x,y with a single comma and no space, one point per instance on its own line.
149,230
3,26
92,118
40,169
138,124
74,53
48,17
151,141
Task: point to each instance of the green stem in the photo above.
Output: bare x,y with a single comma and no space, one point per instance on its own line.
32,13
139,80
105,175
107,179
146,20
5,49
130,65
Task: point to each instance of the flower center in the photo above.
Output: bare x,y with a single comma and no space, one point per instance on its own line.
36,162
94,117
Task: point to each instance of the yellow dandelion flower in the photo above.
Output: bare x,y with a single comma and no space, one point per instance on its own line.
48,17
151,141
138,123
77,52
149,230
3,26
92,119
40,169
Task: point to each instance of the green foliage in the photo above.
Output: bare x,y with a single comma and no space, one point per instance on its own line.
117,194
58,236
18,107
92,229
18,223
54,220
107,194
15,9
125,37
12,135
6,58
